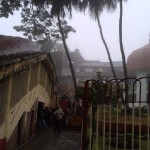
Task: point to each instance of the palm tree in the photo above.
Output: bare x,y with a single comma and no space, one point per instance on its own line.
95,8
58,9
120,41
106,47
68,55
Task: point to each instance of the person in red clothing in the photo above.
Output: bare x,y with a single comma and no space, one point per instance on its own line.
64,103
64,106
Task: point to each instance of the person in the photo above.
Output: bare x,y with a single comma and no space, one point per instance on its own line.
48,116
43,118
58,115
64,103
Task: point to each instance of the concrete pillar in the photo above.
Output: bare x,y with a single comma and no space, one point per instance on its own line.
46,80
39,69
143,86
29,78
8,105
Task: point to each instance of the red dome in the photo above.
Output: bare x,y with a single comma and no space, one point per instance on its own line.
139,60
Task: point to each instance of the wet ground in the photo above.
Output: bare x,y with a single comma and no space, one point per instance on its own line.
47,140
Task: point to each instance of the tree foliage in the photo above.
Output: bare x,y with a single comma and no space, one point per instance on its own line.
38,24
7,7
96,7
102,91
61,7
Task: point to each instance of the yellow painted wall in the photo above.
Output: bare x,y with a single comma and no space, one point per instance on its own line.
25,105
38,93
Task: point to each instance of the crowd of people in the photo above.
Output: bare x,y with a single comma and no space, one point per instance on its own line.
56,118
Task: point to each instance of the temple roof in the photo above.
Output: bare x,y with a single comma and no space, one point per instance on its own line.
139,60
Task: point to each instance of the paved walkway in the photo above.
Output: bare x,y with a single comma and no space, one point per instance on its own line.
46,140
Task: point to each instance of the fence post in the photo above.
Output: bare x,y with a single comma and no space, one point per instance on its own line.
84,119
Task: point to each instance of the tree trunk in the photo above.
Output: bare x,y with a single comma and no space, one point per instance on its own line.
106,47
68,55
126,103
120,41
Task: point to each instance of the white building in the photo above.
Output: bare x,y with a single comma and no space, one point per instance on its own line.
138,65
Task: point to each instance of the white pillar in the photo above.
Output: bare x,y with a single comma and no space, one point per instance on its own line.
143,87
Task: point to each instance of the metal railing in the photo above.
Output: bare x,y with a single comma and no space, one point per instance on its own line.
112,120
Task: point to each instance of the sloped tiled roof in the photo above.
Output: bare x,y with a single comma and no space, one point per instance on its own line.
14,46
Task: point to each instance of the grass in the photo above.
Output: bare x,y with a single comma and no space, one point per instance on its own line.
144,144
121,120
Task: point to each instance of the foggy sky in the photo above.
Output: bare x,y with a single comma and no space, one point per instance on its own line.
136,29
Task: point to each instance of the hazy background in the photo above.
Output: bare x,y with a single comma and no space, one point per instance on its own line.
136,29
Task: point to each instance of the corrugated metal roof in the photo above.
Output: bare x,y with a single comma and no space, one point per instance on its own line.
14,46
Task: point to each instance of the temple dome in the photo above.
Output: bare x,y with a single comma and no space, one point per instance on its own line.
139,60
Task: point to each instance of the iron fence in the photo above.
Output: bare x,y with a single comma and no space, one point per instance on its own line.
116,114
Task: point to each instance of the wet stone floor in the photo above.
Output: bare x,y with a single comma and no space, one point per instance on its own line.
47,140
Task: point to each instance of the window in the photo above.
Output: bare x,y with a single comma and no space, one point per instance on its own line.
88,69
